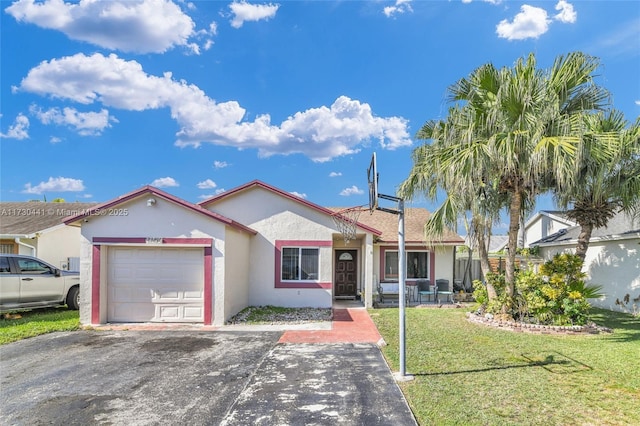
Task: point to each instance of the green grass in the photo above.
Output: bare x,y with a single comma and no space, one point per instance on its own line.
36,322
470,374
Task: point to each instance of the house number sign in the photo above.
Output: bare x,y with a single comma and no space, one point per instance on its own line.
153,240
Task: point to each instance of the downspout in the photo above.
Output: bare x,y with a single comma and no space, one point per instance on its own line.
20,243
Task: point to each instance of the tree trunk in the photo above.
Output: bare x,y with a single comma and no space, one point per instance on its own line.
583,240
485,266
515,208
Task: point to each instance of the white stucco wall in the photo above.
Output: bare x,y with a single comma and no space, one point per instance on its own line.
236,288
164,220
58,244
615,265
444,264
277,218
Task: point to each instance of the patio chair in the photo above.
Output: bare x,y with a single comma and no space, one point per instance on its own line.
444,289
425,289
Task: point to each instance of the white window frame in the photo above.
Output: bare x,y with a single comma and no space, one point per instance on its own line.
407,252
299,266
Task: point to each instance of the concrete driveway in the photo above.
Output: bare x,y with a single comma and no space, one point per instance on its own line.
195,378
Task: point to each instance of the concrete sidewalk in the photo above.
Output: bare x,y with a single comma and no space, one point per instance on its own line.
349,325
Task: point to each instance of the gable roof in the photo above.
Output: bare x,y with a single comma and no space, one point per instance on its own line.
557,215
414,220
259,184
29,217
619,227
150,190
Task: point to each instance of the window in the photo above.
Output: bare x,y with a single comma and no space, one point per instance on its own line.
300,263
28,266
417,264
4,265
6,248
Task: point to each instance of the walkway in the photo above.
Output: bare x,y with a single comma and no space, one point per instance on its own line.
349,325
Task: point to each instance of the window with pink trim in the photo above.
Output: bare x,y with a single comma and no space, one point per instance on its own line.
298,263
417,264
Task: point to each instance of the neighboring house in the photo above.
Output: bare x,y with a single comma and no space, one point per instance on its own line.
156,257
35,228
612,260
543,224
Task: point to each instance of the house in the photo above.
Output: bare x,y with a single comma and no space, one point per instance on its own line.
612,260
543,224
36,229
157,258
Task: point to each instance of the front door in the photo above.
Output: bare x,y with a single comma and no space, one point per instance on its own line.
346,280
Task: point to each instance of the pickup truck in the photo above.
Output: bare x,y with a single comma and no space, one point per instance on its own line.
27,282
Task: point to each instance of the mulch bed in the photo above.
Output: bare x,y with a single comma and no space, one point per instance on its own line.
590,328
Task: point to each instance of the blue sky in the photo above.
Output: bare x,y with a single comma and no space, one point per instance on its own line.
101,98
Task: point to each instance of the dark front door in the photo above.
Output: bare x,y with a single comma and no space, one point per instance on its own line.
346,280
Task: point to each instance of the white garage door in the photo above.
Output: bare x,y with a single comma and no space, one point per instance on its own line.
155,284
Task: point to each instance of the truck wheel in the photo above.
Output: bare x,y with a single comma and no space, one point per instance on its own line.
73,298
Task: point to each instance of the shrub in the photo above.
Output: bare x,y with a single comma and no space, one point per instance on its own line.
556,295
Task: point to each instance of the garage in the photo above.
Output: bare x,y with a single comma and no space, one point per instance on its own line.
155,284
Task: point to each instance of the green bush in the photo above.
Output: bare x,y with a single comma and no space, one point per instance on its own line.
556,295
481,296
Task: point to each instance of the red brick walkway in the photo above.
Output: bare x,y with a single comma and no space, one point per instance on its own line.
348,326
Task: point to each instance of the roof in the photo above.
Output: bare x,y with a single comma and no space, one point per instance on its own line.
259,184
619,227
557,215
150,190
414,220
28,217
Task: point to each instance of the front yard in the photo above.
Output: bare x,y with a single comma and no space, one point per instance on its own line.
22,325
471,374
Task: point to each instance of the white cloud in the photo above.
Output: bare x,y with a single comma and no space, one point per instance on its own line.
243,11
637,102
207,196
531,22
164,182
401,6
132,26
85,123
55,139
298,194
486,1
59,184
567,14
354,190
207,184
19,129
220,164
335,174
320,133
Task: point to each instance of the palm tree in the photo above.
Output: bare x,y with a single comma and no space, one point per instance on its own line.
462,195
606,174
512,130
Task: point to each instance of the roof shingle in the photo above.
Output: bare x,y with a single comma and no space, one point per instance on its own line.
414,220
25,218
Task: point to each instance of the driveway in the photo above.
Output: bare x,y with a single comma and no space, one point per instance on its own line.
196,378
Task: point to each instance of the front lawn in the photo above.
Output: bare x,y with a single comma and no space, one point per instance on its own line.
471,374
36,322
